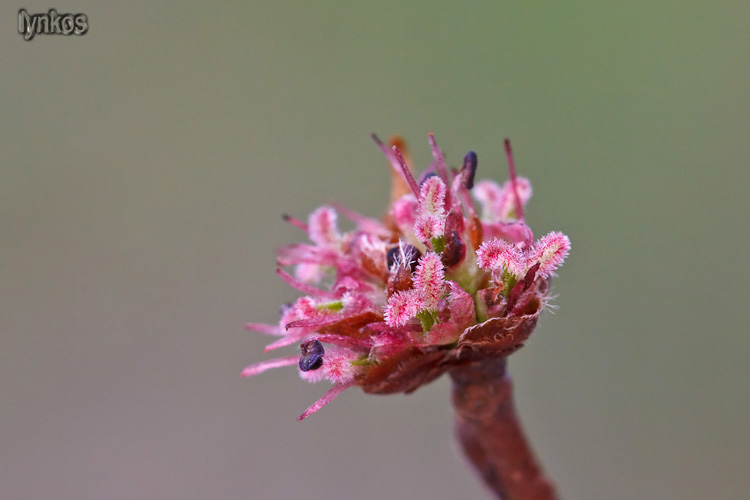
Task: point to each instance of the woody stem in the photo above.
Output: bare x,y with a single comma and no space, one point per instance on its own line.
490,432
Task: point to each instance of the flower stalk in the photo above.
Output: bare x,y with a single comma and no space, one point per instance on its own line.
490,432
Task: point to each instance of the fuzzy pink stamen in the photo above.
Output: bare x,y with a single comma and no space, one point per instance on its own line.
432,197
550,251
428,226
402,306
497,255
429,279
337,364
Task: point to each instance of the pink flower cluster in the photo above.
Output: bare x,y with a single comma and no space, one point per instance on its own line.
396,302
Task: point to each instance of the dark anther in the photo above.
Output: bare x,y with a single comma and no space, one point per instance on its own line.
390,257
470,168
312,355
455,251
403,255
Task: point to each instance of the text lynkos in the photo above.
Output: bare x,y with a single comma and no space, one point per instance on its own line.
51,23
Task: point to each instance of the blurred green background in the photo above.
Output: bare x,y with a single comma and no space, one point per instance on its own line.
145,165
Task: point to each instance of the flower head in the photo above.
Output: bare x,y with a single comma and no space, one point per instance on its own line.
435,284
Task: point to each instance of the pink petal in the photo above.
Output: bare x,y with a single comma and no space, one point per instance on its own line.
461,306
264,328
505,205
367,224
309,273
322,227
295,222
404,212
303,253
327,398
304,287
323,320
487,193
514,232
267,365
348,284
345,340
513,182
289,339
499,202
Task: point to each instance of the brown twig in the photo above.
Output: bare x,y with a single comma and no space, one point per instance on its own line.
491,435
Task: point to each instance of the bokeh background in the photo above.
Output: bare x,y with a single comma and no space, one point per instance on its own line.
144,168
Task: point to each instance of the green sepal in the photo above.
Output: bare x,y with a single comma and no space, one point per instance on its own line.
335,305
363,362
509,280
438,243
428,319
